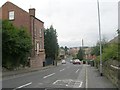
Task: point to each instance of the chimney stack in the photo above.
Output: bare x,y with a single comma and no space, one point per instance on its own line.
32,11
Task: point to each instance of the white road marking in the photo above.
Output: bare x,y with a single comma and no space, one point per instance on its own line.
49,75
62,70
69,82
56,81
40,83
81,84
23,85
77,71
86,86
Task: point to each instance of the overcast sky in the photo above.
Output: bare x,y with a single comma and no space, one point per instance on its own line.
75,20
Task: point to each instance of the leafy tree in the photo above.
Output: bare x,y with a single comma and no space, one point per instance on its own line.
111,52
16,45
118,31
96,49
80,54
66,49
51,43
61,47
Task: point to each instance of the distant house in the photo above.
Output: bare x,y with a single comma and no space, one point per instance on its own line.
74,51
21,18
87,52
61,53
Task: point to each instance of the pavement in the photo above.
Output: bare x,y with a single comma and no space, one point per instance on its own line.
65,76
96,81
6,74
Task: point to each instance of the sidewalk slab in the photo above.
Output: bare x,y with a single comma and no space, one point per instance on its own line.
97,81
26,70
23,71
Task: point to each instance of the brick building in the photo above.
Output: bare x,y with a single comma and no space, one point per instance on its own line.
73,51
34,26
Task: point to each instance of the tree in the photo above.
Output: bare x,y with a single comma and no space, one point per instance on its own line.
110,52
51,43
80,54
16,45
66,49
118,31
96,49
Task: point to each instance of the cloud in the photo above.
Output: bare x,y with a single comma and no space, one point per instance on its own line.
76,19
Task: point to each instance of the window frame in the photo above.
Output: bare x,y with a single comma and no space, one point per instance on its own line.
41,33
11,15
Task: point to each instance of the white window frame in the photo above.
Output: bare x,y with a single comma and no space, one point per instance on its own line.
11,15
35,32
40,32
40,45
37,48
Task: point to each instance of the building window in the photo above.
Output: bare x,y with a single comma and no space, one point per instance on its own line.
40,45
11,15
37,48
40,32
35,32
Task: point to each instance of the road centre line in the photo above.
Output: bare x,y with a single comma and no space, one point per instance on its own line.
77,71
62,70
23,86
86,85
49,75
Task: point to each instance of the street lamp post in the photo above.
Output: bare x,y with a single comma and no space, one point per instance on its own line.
100,38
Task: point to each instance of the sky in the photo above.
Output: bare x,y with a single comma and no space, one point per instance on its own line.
75,20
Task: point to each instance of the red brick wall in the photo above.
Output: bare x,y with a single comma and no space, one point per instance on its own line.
0,13
24,19
38,60
21,17
39,25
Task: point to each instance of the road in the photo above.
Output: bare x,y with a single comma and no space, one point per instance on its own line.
62,76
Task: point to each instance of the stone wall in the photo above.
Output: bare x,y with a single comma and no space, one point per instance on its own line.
111,71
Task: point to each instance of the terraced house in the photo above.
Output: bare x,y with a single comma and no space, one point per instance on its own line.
21,18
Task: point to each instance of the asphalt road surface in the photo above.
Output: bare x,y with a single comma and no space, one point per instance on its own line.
62,76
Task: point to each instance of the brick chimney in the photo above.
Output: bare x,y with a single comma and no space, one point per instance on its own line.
32,11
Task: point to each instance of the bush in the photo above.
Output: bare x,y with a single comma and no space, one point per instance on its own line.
111,52
16,45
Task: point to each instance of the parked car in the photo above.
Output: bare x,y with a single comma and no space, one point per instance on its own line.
63,62
76,61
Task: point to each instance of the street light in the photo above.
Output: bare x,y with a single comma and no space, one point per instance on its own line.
100,38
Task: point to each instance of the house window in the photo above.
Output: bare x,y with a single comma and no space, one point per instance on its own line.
40,32
35,32
37,48
40,45
11,15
